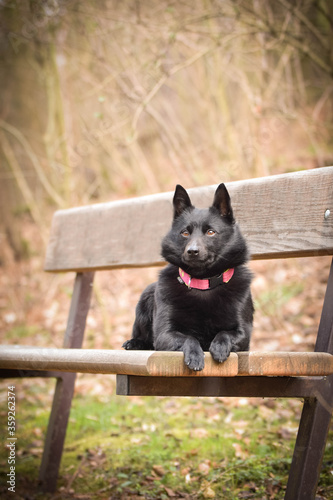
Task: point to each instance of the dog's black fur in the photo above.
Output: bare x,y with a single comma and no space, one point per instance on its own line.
172,317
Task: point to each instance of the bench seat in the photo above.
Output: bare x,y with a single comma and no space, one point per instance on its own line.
165,364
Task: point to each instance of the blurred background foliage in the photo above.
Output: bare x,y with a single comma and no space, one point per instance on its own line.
107,99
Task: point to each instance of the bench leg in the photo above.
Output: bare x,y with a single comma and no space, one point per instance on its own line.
56,432
62,400
309,449
316,417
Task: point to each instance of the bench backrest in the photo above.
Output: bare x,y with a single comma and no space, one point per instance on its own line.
289,215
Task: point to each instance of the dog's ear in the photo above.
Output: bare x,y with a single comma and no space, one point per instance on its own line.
222,203
181,201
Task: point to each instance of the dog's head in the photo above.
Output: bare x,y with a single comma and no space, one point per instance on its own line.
204,242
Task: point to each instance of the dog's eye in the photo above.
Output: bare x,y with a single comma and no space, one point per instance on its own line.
211,232
185,233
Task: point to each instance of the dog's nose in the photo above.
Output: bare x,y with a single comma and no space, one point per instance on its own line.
193,250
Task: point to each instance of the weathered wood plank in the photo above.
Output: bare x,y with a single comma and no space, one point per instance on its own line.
280,364
171,364
148,363
162,363
281,216
260,387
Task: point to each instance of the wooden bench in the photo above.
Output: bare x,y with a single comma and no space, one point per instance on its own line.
282,216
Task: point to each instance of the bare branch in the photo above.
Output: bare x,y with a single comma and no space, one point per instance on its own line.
22,184
35,162
262,25
162,81
306,21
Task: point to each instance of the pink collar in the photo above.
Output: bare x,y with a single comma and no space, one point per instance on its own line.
205,284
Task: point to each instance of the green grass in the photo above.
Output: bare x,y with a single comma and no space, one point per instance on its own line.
20,332
271,300
159,448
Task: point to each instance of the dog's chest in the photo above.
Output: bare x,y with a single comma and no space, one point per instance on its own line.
204,311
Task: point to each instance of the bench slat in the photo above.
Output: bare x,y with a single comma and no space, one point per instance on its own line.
162,363
148,363
279,364
281,216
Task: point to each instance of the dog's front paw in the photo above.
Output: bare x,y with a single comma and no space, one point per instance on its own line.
193,355
135,345
128,344
220,348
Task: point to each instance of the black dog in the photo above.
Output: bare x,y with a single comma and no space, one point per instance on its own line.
202,300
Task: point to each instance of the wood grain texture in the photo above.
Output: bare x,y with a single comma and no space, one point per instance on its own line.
242,387
148,363
281,216
163,363
279,364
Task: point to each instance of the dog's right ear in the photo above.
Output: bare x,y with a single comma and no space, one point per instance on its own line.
181,201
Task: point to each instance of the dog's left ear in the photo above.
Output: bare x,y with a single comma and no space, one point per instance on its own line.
222,203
